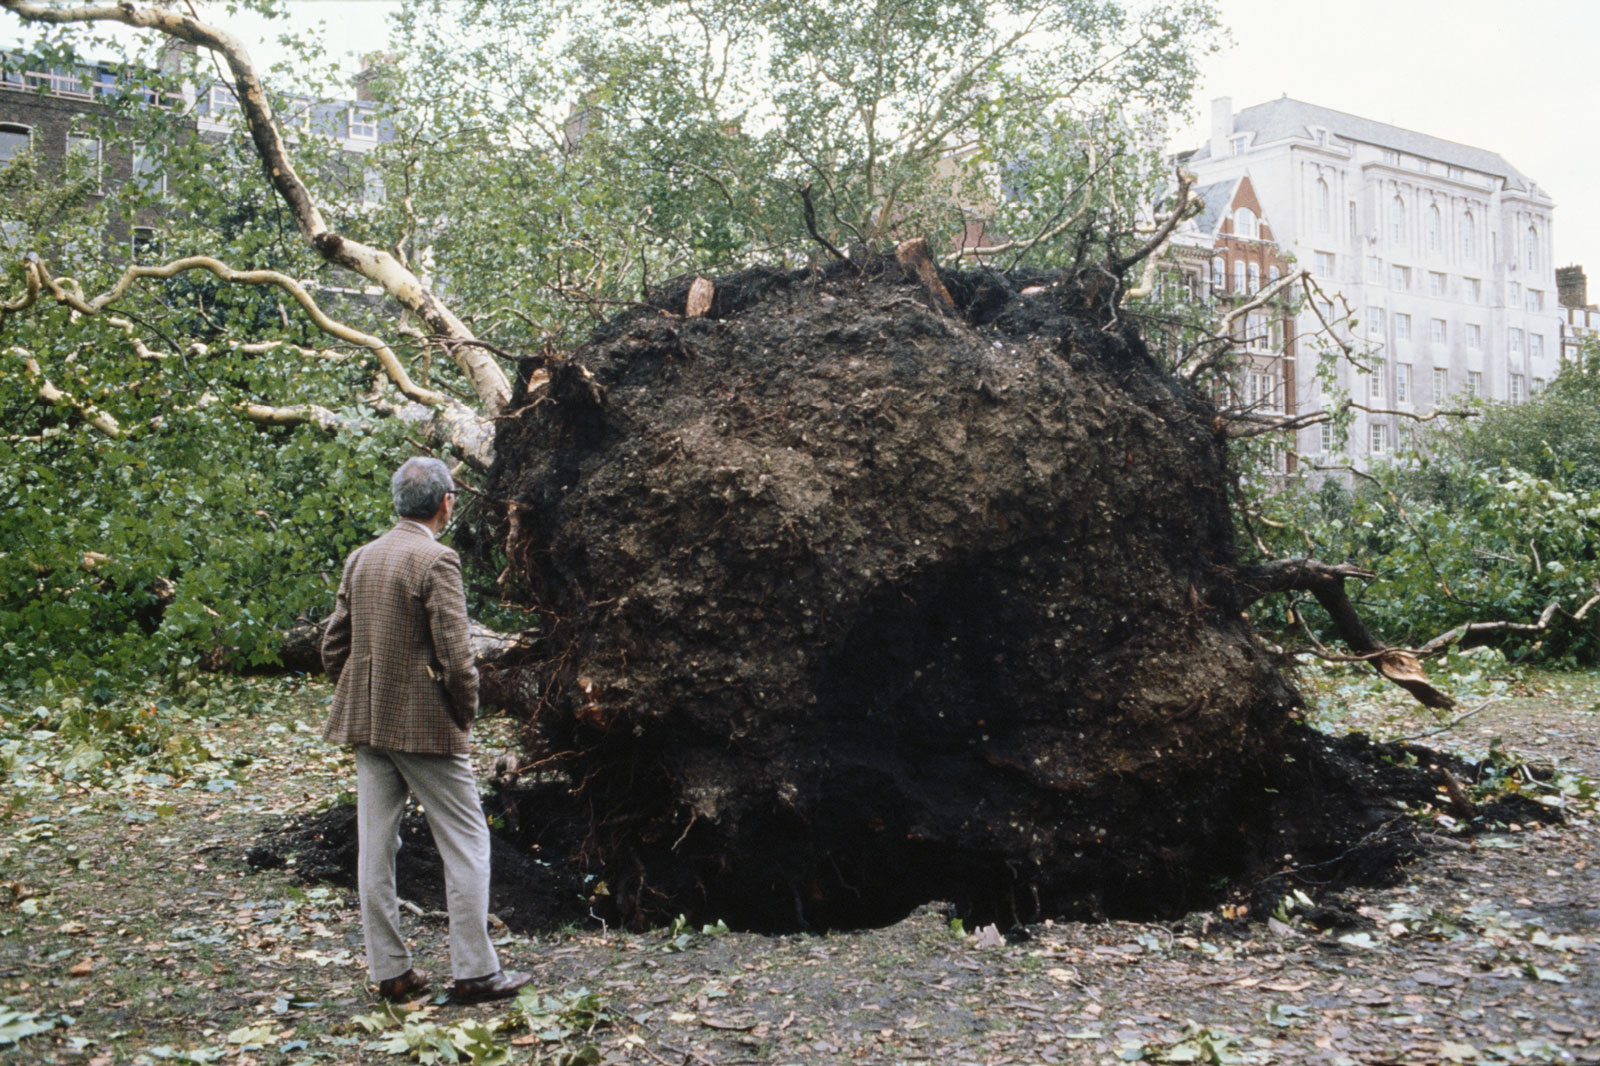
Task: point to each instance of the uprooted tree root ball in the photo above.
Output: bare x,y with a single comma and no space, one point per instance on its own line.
857,591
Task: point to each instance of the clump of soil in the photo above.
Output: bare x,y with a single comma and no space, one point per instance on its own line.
853,600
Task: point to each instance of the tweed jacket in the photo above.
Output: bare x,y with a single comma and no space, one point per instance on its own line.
397,648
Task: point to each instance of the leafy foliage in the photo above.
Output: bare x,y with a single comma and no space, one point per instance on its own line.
1499,519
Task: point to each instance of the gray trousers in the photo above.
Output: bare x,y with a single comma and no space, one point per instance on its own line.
445,787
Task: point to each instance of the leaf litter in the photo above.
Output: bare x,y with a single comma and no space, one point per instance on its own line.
133,930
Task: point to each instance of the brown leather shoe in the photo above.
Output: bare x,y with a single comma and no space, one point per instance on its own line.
408,985
501,985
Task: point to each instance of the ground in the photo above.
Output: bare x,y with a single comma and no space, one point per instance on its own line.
132,929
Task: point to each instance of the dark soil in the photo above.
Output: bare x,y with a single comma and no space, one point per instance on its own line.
1339,820
852,603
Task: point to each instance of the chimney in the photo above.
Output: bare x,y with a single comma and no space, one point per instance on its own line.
372,64
1572,287
1221,127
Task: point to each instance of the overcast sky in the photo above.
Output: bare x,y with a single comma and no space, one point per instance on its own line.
1518,79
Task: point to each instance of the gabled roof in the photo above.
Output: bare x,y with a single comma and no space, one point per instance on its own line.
1216,198
1282,118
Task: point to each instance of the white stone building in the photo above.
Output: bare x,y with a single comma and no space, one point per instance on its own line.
1441,250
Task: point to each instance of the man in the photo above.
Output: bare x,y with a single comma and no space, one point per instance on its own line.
406,691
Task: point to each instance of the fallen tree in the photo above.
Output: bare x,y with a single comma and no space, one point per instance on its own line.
858,590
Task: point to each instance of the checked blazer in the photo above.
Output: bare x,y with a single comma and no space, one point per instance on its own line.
397,648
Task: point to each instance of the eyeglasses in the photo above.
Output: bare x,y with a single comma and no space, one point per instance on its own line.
452,492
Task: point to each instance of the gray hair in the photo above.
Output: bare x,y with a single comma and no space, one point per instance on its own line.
419,487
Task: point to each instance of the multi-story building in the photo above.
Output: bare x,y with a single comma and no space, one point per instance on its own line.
1580,319
1227,254
58,114
1440,251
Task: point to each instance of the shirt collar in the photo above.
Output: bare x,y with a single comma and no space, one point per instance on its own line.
411,521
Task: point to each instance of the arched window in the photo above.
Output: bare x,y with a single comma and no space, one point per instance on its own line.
14,140
1239,276
1469,238
1435,229
1397,220
1255,277
1244,223
1219,273
1324,211
1532,243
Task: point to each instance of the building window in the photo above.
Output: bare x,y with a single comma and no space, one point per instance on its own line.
1475,384
83,157
1400,278
1374,270
1469,239
1535,300
1325,437
1244,223
1255,277
1355,226
1324,207
1441,384
1514,340
1219,273
1408,436
1514,388
1437,331
14,140
1435,230
1239,275
1273,273
223,105
147,171
1536,345
1531,247
1538,386
1262,393
1391,157
1474,290
1436,283
1402,327
1380,438
1374,321
1397,221
1474,336
363,124
1402,382
1375,386
144,245
1324,264
1454,173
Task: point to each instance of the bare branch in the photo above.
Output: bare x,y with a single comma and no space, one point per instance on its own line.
1185,209
1475,629
52,395
1326,583
299,415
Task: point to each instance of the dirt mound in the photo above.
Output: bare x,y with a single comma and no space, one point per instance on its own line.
851,601
853,598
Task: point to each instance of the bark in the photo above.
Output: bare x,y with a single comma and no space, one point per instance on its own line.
1326,583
